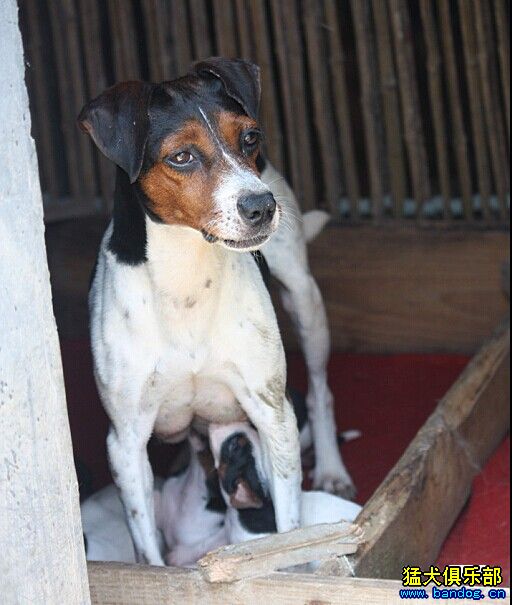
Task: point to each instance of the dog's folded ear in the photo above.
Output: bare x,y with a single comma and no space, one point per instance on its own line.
118,123
241,80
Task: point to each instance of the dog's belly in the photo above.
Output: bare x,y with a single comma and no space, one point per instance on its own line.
199,400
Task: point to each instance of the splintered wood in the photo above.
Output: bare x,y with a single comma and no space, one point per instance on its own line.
262,556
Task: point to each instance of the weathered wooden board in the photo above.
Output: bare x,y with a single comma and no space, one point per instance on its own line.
119,584
406,289
410,514
265,555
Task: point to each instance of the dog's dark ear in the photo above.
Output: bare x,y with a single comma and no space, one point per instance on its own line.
118,122
241,80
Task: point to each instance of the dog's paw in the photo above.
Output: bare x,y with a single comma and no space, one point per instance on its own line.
336,484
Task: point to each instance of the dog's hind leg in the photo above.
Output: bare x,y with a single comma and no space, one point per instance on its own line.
303,301
133,476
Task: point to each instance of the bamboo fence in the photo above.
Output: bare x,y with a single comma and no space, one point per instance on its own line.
376,110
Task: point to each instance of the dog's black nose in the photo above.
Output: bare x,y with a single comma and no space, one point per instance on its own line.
257,208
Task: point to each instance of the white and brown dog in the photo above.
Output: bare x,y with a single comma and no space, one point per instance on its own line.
183,330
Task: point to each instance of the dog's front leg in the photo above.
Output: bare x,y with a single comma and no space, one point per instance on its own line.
277,428
133,476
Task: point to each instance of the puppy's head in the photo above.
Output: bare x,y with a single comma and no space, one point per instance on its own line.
189,146
237,455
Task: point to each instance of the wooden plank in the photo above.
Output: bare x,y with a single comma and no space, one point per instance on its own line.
341,106
391,106
387,289
119,584
43,558
412,511
403,289
152,25
475,102
495,125
368,76
312,18
411,113
437,110
265,555
453,86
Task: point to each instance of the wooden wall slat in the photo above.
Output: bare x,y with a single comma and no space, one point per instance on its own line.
200,30
307,194
269,101
154,51
342,105
63,20
475,102
315,62
41,95
96,79
180,43
453,86
437,108
322,110
391,106
243,23
412,120
494,122
502,28
124,42
375,149
224,21
289,123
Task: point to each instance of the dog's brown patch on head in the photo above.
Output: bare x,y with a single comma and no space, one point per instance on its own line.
231,126
180,197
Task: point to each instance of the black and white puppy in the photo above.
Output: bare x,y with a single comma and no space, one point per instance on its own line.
250,512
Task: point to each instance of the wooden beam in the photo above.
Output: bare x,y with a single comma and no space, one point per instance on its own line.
120,584
264,555
409,516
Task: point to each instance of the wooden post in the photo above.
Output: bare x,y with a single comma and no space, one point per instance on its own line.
42,557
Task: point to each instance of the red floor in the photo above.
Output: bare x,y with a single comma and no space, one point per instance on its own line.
386,397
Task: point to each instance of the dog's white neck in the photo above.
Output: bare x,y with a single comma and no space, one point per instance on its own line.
181,262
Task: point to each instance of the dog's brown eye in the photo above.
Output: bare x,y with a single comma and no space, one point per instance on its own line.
250,140
182,158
